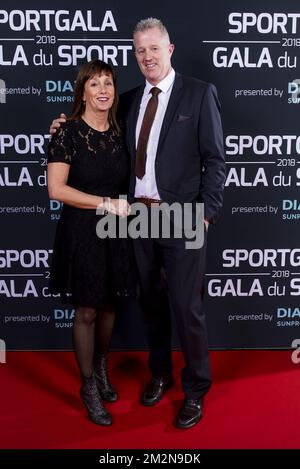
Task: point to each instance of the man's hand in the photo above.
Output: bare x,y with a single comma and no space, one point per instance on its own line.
56,123
206,222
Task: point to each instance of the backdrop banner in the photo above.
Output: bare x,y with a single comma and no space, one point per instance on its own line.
251,52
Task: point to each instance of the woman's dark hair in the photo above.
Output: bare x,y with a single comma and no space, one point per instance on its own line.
87,71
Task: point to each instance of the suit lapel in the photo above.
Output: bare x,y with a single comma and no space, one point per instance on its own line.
171,109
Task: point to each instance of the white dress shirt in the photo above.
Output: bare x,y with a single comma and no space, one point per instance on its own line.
147,187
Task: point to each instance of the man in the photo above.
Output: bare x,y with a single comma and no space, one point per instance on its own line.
183,161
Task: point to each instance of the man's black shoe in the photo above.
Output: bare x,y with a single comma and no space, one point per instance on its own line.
190,413
155,389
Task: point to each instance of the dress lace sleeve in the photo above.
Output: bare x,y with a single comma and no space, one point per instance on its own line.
61,147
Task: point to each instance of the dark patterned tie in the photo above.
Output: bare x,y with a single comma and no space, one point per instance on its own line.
141,151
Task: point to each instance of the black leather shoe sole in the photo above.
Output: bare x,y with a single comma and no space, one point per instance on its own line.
184,426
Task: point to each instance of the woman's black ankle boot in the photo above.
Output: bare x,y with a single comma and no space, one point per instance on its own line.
93,403
106,390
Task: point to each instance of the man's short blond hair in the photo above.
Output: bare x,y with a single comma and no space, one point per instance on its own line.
149,23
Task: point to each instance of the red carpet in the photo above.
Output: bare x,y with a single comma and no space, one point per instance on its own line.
254,403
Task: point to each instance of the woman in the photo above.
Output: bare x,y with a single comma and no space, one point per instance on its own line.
88,168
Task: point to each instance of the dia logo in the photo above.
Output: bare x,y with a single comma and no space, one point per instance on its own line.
294,87
294,91
60,314
2,92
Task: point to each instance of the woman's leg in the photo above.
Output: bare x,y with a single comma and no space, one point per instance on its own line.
104,329
84,339
103,334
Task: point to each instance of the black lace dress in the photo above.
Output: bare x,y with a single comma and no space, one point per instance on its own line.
86,270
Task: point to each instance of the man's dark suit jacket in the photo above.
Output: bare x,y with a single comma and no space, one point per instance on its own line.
189,165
